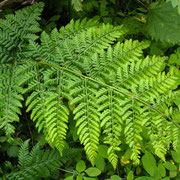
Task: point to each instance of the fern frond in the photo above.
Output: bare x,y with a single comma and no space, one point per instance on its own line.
72,51
7,44
108,101
152,88
106,62
176,138
93,40
24,23
168,134
74,28
131,73
24,157
156,126
86,116
36,164
115,88
47,107
165,99
132,130
56,119
16,30
10,100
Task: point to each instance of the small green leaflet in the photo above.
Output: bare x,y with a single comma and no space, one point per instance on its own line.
80,166
115,177
93,172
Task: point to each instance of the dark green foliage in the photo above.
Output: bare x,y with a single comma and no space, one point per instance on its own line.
16,30
34,164
163,23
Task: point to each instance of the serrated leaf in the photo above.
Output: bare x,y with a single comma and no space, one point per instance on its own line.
175,3
163,24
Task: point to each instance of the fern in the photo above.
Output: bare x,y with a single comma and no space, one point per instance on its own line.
39,163
86,115
114,87
16,30
69,154
35,164
10,100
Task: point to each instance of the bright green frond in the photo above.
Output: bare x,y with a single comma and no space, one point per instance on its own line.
56,119
74,28
104,62
153,87
87,117
111,121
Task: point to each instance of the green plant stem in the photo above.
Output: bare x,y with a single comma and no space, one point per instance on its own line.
106,85
72,172
109,86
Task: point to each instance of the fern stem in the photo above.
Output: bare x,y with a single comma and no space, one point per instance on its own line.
108,86
111,108
72,172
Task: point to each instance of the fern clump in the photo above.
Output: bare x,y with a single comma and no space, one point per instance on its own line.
114,88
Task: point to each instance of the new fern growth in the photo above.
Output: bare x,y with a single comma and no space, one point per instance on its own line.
118,93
